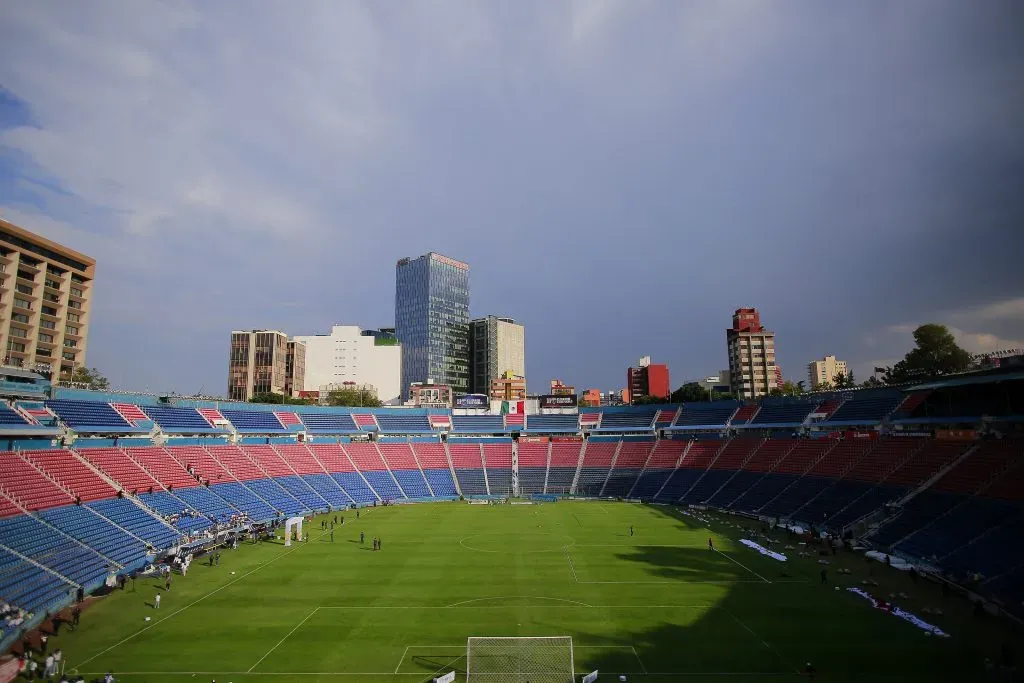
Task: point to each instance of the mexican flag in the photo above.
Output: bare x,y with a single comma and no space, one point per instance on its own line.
513,407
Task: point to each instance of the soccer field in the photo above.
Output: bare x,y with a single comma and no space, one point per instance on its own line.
655,606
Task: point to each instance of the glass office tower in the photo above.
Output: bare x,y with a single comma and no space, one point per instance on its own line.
432,321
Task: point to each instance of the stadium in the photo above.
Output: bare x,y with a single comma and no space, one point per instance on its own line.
745,541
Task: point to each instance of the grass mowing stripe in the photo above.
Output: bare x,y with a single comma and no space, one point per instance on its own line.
304,620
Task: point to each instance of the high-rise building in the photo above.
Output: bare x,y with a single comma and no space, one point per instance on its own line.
496,346
259,364
508,387
751,355
824,371
432,321
351,355
648,379
44,312
559,389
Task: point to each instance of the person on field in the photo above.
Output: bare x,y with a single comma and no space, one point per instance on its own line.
711,543
156,602
332,535
630,529
824,576
362,538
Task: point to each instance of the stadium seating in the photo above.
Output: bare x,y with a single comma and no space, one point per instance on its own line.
434,462
629,462
478,424
203,500
277,496
119,467
131,413
136,520
89,416
254,421
244,500
72,473
268,460
355,487
181,420
165,505
533,466
200,460
288,420
29,587
402,423
301,491
385,484
162,466
745,413
867,407
28,486
782,411
328,423
498,463
7,507
10,417
695,462
637,419
234,460
402,463
597,461
467,459
552,423
714,413
664,456
565,459
97,532
54,550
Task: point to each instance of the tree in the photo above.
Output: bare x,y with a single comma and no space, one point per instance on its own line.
935,353
873,382
353,397
649,400
790,389
844,381
278,399
691,392
90,377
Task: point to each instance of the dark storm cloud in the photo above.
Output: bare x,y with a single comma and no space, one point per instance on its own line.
620,175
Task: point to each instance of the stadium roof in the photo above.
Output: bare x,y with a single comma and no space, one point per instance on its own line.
965,381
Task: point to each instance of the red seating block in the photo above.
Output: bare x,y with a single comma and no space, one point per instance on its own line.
398,456
161,465
735,453
633,454
27,485
300,458
122,469
332,457
236,462
533,453
364,456
466,455
74,474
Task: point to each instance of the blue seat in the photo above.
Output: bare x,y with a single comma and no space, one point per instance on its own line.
531,479
403,423
591,480
471,481
328,489
29,587
762,491
205,501
412,482
711,413
441,482
707,486
254,421
54,550
96,532
680,482
276,496
552,423
328,423
868,407
10,417
171,418
245,500
302,492
138,521
88,414
478,424
632,419
650,482
559,479
355,487
384,484
621,481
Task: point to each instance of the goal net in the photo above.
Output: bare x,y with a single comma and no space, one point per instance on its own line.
519,660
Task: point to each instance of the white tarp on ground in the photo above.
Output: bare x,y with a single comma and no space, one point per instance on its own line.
764,551
899,612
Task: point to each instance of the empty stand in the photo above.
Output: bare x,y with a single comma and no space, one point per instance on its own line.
173,419
477,424
498,461
553,423
235,461
54,550
867,407
597,462
30,588
533,466
402,463
745,413
28,486
664,456
97,532
162,466
782,411
328,423
288,419
713,413
136,520
365,420
89,415
565,459
434,462
403,423
695,462
74,474
131,413
119,467
629,462
200,460
9,417
636,419
469,467
254,421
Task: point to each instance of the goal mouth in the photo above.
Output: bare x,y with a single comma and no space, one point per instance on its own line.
512,659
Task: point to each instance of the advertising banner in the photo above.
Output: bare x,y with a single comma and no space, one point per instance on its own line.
549,401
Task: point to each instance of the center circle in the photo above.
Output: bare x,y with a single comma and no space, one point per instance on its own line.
516,543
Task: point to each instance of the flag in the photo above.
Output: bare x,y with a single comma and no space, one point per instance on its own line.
882,370
513,407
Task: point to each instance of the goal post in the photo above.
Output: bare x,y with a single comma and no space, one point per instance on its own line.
519,660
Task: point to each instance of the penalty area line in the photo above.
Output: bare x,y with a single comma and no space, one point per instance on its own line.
286,636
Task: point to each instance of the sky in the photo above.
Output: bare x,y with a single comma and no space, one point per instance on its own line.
621,175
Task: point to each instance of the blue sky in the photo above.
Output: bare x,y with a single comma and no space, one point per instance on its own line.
620,175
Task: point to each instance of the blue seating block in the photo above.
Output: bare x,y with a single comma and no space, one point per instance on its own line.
245,500
355,487
412,482
54,550
139,522
384,484
96,532
441,482
328,423
328,489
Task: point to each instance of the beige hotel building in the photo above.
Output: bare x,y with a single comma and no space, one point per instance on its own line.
45,297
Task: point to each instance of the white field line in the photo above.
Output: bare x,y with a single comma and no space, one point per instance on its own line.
572,567
404,653
287,635
740,564
637,655
517,597
194,602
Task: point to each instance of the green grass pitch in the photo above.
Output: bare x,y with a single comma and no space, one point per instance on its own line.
655,606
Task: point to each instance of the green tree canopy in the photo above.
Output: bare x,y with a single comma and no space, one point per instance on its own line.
90,377
935,353
695,392
353,397
278,399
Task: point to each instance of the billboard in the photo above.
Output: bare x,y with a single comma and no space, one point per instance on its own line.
556,401
473,401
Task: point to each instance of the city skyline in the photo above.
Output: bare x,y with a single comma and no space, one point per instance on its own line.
848,194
